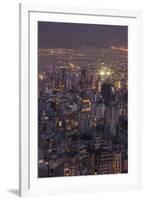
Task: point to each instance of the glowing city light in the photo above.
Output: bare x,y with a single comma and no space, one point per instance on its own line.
86,100
102,73
108,73
60,123
105,72
41,77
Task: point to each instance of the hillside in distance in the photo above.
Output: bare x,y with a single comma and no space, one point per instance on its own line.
120,44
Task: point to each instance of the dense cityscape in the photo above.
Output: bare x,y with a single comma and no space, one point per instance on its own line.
82,110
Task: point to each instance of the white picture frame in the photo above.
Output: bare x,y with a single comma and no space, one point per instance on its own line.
29,184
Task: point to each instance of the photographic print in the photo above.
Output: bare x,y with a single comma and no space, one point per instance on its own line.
82,99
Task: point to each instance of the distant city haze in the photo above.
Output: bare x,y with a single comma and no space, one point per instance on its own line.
67,35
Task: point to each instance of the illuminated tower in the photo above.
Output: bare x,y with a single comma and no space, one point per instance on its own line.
117,84
94,79
99,86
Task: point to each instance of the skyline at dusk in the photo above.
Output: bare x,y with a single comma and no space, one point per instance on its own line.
82,99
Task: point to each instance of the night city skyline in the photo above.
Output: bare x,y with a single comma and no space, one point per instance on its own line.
82,99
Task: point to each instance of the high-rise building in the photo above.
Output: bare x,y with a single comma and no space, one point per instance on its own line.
107,93
99,161
99,86
125,166
117,84
117,163
91,163
104,162
100,111
111,119
93,80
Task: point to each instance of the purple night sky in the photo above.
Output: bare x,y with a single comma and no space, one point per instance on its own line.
56,34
